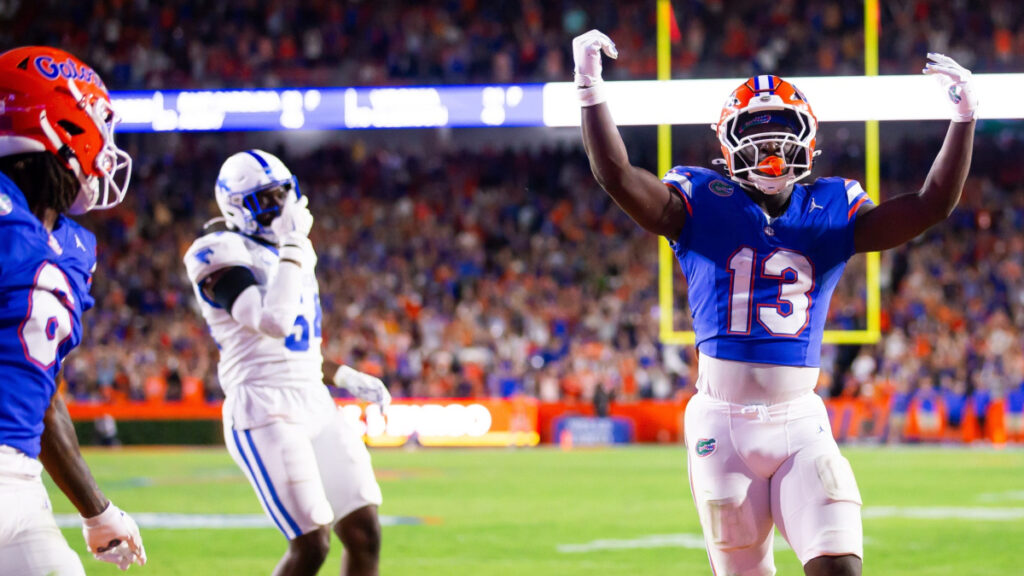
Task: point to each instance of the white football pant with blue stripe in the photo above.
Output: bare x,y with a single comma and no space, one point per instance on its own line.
307,464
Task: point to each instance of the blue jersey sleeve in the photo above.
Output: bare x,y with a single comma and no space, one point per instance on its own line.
700,189
77,258
840,199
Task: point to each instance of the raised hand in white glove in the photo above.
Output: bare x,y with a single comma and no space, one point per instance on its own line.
112,536
956,80
295,221
586,55
363,386
292,230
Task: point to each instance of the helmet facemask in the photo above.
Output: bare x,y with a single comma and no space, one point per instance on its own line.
265,204
112,168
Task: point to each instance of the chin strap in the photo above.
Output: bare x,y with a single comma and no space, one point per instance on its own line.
86,197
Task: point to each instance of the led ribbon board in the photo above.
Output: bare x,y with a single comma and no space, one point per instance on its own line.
835,99
330,108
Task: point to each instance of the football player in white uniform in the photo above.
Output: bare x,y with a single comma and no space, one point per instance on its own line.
257,290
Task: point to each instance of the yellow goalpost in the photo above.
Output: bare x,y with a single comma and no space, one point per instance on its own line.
666,260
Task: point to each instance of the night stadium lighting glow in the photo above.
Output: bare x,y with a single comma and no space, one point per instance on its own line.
834,98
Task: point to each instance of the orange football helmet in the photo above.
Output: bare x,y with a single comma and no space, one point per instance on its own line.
50,101
769,160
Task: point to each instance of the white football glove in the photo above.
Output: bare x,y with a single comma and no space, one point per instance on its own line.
956,80
112,536
363,386
586,54
292,230
295,221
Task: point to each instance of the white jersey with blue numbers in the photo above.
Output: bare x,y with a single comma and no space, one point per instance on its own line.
759,287
246,355
44,288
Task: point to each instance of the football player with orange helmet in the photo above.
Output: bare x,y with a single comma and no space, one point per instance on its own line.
57,157
762,252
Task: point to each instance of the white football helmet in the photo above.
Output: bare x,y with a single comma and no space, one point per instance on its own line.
242,177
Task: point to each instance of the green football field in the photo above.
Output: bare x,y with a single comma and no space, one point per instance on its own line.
540,512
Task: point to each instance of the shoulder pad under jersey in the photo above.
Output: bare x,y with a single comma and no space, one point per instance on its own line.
215,251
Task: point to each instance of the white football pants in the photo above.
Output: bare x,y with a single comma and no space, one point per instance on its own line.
752,465
30,542
309,469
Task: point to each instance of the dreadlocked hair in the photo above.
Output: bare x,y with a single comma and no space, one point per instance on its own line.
43,179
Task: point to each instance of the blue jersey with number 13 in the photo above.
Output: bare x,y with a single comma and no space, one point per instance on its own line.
759,287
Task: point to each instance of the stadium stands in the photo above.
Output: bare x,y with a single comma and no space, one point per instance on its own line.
507,271
218,44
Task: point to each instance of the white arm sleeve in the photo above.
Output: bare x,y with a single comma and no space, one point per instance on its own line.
274,314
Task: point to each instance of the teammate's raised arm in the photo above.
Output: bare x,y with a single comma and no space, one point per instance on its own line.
641,194
902,218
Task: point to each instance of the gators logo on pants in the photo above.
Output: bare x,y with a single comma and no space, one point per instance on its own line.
705,446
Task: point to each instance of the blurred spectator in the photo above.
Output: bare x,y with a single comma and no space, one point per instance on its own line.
217,43
498,272
503,272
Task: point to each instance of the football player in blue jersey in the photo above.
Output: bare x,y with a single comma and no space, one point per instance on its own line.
57,157
762,253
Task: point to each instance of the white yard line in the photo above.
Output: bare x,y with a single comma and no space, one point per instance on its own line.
1008,496
945,513
696,541
689,541
211,521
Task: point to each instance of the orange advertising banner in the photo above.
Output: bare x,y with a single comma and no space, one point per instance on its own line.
527,422
448,422
428,422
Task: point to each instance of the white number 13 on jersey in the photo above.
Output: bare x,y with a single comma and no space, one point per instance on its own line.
795,275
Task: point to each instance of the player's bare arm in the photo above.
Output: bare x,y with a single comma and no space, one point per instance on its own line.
112,535
896,221
63,460
641,194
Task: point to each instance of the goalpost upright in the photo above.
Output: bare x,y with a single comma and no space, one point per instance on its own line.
666,260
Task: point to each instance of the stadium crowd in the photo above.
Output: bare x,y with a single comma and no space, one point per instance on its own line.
502,271
216,44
